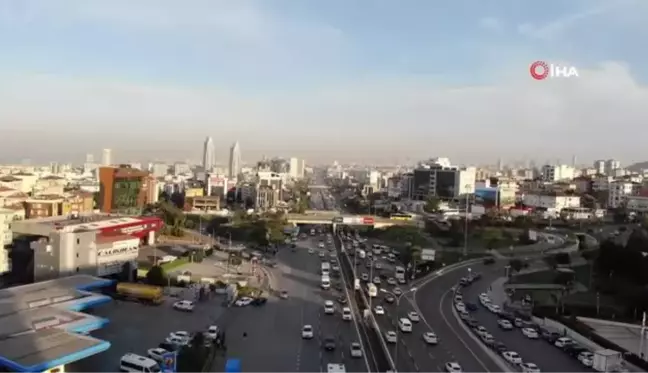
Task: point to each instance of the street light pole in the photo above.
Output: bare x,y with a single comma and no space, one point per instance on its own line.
465,248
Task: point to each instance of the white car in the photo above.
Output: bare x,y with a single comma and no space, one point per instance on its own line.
397,291
180,334
530,333
178,341
329,307
244,301
563,342
391,281
311,251
413,316
379,310
529,368
453,367
320,245
512,357
391,337
480,330
505,324
184,305
321,254
212,332
586,358
376,280
346,314
460,307
430,338
356,350
307,332
494,308
156,353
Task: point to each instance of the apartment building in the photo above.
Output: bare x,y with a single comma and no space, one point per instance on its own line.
619,191
442,180
6,237
553,173
553,201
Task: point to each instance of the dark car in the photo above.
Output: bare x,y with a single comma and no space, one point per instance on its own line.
472,323
500,347
489,261
259,301
338,286
329,343
390,298
549,336
169,346
574,350
342,300
471,307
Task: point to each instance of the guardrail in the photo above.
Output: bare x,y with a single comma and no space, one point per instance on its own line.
384,361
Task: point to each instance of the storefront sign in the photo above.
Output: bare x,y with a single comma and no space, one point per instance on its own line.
117,251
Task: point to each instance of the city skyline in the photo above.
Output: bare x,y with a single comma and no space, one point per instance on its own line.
361,92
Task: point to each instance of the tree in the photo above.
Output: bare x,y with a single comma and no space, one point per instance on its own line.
193,357
432,205
156,276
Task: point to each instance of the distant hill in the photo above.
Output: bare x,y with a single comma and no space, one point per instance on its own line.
638,166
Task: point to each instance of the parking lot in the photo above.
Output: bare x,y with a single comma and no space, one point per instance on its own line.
136,327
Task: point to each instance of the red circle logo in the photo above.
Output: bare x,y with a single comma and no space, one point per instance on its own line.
539,70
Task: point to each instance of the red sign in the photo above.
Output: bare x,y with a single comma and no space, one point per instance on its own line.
368,220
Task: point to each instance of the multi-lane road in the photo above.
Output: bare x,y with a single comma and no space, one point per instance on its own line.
273,341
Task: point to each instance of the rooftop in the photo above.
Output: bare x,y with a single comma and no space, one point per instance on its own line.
90,222
39,323
9,179
104,238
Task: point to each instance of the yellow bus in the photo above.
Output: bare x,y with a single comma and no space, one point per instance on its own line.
399,216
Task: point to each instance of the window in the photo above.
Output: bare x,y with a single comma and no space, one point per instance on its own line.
77,255
77,269
78,241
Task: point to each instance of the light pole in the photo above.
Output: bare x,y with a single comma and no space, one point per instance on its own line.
465,248
398,298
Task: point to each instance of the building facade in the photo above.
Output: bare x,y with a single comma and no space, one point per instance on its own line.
6,237
125,189
235,161
553,201
209,154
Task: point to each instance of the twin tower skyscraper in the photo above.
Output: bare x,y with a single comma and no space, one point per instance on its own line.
209,158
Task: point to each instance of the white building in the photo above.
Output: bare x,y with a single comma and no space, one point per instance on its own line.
554,173
551,201
106,157
618,192
297,168
374,180
612,165
6,237
209,154
235,161
599,166
637,204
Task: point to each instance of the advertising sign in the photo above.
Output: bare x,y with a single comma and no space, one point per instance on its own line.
347,220
169,362
368,220
428,255
117,251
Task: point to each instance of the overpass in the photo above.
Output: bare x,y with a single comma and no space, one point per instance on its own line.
332,217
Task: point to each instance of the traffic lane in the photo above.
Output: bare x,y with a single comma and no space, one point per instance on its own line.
548,357
434,303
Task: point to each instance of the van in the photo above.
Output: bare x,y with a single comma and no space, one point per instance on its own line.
136,363
405,325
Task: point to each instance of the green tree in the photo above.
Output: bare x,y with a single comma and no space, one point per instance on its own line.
193,358
156,276
432,205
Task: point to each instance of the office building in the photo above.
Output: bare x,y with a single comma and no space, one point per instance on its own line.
297,168
235,161
209,154
441,180
125,190
106,157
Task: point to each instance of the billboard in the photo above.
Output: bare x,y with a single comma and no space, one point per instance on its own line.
368,220
488,197
428,255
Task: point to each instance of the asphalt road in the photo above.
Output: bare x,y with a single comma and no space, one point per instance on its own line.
540,352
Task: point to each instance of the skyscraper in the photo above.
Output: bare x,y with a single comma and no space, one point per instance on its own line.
106,157
208,154
296,168
235,161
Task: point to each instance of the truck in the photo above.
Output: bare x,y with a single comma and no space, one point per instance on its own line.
140,292
607,360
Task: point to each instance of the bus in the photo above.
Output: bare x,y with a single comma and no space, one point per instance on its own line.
400,216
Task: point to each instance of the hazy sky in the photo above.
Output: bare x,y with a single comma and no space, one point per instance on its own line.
370,80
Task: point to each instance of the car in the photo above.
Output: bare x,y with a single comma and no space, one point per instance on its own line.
397,291
530,333
500,347
563,342
453,367
488,339
320,245
307,332
575,350
212,332
184,305
156,353
243,301
178,341
391,337
586,355
413,316
329,343
512,357
311,251
376,280
333,255
549,336
379,310
391,281
519,323
364,277
529,368
402,281
472,323
260,301
335,268
283,294
378,266
342,299
346,314
494,308
321,254
480,330
471,307
180,334
390,298
458,298
356,350
504,324
430,338
329,307
460,307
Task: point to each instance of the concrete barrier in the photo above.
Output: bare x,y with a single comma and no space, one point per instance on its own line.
553,325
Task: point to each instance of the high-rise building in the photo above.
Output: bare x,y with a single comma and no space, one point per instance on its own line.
106,157
235,161
296,168
208,154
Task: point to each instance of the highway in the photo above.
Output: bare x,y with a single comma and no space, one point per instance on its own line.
540,352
